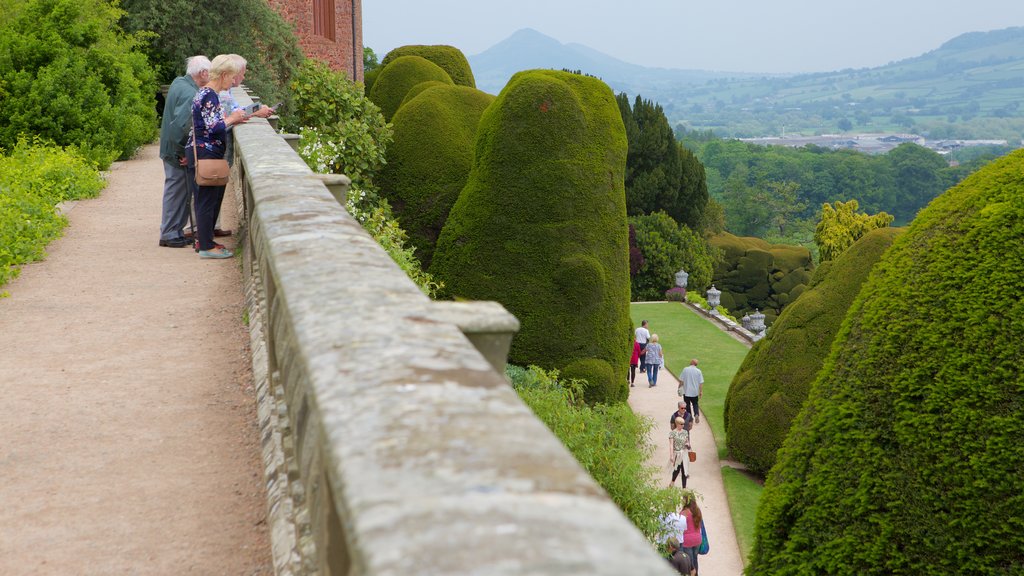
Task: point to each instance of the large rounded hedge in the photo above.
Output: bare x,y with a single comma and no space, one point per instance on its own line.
756,275
429,161
541,226
396,79
772,383
449,58
907,456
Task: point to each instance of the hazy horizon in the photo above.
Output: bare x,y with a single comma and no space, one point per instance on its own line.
790,36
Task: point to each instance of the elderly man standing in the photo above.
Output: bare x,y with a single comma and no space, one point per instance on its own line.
174,130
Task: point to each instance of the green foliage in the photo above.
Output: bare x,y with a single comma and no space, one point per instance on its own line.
429,162
342,131
667,248
251,28
34,178
398,76
541,224
377,218
770,387
841,226
906,457
449,58
70,75
609,441
369,60
756,275
743,493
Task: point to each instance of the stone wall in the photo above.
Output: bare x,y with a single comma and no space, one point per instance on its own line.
391,445
345,51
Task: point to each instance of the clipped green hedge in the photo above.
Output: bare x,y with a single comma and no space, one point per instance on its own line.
429,162
449,58
907,456
541,223
668,247
397,78
772,383
756,275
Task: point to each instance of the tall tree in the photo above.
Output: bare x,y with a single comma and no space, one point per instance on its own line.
841,225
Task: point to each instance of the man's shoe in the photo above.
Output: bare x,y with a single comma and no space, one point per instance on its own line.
174,243
217,232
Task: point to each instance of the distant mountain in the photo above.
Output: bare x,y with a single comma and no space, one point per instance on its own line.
528,49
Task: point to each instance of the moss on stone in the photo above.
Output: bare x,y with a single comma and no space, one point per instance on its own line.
400,75
772,383
429,161
449,58
541,225
907,455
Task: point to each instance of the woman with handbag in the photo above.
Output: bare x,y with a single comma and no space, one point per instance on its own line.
692,536
679,445
207,165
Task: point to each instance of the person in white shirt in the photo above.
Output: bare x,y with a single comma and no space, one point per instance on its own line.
642,336
691,388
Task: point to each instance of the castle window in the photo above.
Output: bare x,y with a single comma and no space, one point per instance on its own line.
323,18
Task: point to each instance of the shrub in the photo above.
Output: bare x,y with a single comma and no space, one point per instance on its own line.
69,75
178,29
840,226
668,247
756,275
541,223
675,294
772,383
34,178
448,58
906,457
398,77
609,441
429,161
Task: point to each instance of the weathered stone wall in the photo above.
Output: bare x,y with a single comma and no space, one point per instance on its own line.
392,446
343,52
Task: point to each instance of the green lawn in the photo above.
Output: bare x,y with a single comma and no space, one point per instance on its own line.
743,493
685,334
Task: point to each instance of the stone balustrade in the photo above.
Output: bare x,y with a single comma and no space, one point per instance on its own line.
392,441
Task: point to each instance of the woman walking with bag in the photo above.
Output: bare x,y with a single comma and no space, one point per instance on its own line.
694,523
207,142
654,360
679,446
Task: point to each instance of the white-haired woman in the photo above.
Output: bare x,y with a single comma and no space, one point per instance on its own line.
679,450
208,140
654,361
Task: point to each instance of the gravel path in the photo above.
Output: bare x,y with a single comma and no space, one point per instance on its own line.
723,558
129,440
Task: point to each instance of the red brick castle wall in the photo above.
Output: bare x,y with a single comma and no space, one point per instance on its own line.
328,30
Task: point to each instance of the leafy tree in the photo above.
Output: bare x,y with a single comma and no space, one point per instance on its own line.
841,225
692,196
668,247
183,28
369,59
918,176
70,75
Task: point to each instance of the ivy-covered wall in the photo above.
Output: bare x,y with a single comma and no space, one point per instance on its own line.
541,226
772,383
907,456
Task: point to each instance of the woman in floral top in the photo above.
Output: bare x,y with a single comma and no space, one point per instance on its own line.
679,446
208,141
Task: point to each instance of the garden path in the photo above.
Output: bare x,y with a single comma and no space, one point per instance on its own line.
129,439
723,558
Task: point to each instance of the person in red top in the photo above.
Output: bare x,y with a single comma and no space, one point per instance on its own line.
634,361
691,535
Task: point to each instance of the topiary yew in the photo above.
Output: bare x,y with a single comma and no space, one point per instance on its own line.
772,383
754,274
396,79
429,161
449,58
541,226
907,456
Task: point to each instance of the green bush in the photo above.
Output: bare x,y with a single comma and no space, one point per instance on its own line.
70,75
398,77
541,223
178,29
342,131
668,247
429,161
448,58
756,275
907,455
609,441
770,387
34,178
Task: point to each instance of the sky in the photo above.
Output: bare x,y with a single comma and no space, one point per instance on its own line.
783,36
